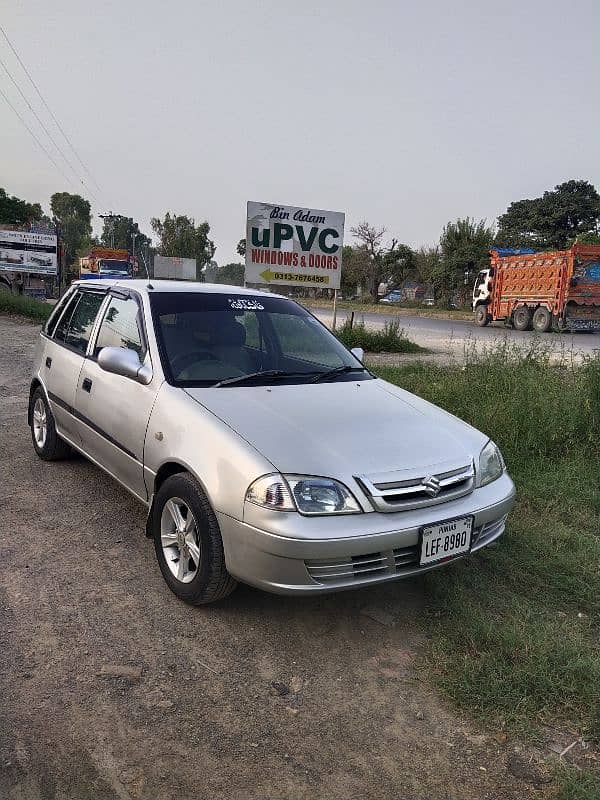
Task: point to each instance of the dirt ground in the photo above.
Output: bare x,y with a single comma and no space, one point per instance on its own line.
112,688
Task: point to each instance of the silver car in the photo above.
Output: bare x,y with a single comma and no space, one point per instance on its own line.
263,449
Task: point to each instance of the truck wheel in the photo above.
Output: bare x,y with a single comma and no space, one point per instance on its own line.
522,318
482,318
542,320
5,287
188,543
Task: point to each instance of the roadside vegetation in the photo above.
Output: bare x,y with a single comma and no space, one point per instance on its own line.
409,308
18,305
390,339
516,627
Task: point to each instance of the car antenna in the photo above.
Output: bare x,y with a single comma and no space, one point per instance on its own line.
149,286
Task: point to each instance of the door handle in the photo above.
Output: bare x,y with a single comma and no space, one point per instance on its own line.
87,385
48,362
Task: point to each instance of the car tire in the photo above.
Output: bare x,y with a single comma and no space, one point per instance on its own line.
542,320
522,318
188,542
482,318
46,441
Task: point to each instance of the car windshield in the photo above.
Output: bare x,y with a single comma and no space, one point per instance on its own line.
222,340
113,267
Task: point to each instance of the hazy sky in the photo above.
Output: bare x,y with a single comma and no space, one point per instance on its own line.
407,114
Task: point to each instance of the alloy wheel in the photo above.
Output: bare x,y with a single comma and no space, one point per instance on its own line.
180,539
40,423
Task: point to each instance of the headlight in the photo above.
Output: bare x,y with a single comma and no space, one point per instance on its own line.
491,464
321,496
304,493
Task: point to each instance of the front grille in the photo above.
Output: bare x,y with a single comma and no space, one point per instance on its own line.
348,569
490,531
399,492
386,563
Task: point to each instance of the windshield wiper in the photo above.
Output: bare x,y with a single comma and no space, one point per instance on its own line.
265,373
336,371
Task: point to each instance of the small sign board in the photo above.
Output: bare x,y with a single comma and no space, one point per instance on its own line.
175,269
293,246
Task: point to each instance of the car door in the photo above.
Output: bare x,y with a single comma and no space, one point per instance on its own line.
64,353
114,410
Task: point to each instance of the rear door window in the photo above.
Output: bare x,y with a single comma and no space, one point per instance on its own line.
54,317
82,320
121,327
61,329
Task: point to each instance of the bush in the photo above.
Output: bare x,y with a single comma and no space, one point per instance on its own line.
15,304
529,405
389,340
515,628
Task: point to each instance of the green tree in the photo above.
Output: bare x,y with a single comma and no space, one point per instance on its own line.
73,213
181,237
430,270
122,231
241,247
18,212
356,266
588,238
464,250
232,274
379,262
554,220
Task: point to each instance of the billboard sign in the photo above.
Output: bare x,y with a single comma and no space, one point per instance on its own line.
27,252
293,246
175,269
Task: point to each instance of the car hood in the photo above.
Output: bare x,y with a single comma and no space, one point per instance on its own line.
342,429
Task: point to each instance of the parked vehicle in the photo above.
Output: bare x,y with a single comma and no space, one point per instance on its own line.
395,296
557,289
238,419
106,262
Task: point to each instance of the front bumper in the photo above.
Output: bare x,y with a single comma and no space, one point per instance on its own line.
377,548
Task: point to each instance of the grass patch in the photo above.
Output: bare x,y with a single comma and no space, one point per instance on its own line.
22,306
412,309
390,339
516,627
575,785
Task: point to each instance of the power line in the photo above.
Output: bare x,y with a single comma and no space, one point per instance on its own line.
48,109
49,135
40,145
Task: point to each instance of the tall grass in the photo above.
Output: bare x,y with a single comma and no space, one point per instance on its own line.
390,339
516,628
20,305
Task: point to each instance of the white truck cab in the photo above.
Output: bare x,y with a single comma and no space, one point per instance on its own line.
483,287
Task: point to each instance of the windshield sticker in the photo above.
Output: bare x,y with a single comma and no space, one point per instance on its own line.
241,304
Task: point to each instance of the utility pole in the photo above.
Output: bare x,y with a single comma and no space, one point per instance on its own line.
111,217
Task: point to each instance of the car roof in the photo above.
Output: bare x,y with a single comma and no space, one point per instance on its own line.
150,285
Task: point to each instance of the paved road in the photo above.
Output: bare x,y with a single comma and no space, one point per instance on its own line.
112,689
450,335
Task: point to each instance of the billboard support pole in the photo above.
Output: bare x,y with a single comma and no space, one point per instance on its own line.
335,291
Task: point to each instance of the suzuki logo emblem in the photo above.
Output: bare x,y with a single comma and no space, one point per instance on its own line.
431,485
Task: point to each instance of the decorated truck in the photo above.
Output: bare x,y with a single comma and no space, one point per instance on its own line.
106,262
557,289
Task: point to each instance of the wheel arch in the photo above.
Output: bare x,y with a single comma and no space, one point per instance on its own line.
35,384
165,471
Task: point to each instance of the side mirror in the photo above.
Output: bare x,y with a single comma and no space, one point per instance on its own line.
126,362
359,353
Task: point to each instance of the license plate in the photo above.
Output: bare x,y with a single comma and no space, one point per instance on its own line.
446,539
